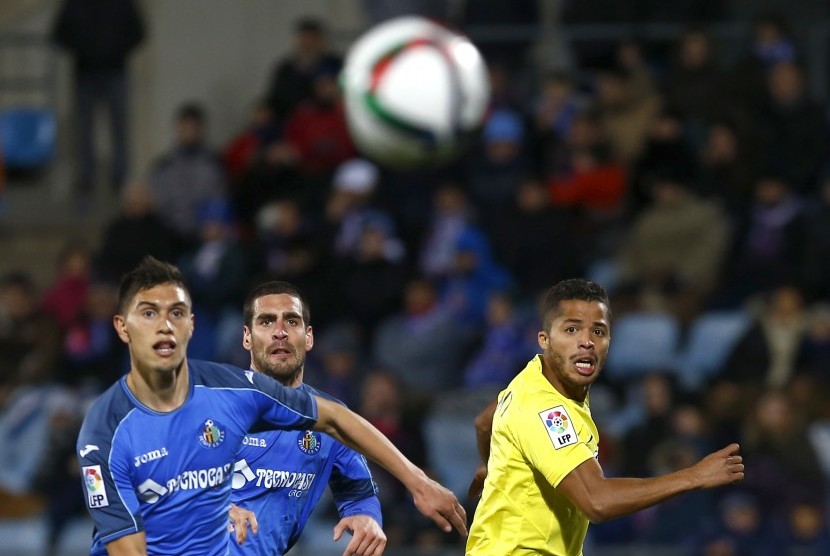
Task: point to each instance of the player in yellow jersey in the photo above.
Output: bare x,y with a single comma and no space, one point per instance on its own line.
543,481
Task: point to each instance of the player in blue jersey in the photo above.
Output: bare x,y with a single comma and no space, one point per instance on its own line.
281,475
157,449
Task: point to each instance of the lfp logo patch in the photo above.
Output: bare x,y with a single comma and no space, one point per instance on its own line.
309,442
96,493
559,426
211,434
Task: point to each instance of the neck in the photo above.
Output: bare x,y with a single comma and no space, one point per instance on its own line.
570,391
293,381
160,391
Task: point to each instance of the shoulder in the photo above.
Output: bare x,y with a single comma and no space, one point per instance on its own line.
106,413
320,394
218,375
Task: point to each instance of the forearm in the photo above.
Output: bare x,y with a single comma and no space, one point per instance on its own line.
128,545
358,434
623,496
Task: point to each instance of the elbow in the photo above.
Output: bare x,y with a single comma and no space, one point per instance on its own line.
596,512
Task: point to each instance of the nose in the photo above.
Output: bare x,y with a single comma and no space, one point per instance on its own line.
586,340
279,330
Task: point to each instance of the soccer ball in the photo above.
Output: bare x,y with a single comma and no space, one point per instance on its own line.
415,92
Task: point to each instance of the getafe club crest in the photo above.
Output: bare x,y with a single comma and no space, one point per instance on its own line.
309,442
211,434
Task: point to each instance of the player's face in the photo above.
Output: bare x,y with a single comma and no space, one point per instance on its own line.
278,338
575,346
157,325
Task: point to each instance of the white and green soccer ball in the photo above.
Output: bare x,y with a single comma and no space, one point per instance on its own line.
415,92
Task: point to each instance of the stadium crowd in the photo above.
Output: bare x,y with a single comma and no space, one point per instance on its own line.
695,189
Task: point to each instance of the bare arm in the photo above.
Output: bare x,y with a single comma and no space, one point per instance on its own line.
601,499
484,430
128,545
431,499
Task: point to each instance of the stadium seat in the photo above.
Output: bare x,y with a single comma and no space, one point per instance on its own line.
711,338
642,342
27,138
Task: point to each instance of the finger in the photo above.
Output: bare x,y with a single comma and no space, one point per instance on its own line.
338,530
362,544
458,518
442,522
732,449
241,532
253,522
381,545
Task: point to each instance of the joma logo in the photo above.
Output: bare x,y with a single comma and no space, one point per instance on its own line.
150,456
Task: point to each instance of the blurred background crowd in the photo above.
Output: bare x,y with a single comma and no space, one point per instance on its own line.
675,152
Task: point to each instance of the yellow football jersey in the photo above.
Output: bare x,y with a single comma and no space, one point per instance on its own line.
539,436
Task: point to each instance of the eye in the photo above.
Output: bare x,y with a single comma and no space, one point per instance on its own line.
599,332
266,321
292,322
148,313
570,329
178,313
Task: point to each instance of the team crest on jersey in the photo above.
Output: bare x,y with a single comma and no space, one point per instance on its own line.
96,493
211,434
559,426
309,442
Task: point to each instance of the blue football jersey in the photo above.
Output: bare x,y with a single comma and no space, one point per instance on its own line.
169,474
281,475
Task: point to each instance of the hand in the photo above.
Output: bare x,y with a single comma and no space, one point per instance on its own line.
440,505
240,519
477,485
719,468
368,539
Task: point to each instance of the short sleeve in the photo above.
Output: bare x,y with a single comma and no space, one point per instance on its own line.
553,439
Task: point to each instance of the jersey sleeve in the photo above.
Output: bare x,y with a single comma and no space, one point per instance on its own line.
281,407
553,439
352,487
110,494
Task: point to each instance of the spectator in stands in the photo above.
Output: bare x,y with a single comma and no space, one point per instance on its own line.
316,130
739,529
785,466
372,278
451,214
793,128
769,242
93,356
217,271
421,345
30,340
770,351
625,113
65,299
293,78
694,84
673,254
136,231
189,174
337,363
502,164
727,168
505,348
382,403
474,278
100,36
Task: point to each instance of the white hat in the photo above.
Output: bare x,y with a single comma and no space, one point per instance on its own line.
356,176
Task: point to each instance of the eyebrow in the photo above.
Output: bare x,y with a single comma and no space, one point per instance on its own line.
580,321
286,315
155,305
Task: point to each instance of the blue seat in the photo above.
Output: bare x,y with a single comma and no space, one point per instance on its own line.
642,342
27,137
712,336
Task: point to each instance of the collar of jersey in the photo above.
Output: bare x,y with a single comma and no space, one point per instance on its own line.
151,411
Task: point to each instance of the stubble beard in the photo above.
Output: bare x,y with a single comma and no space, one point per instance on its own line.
286,373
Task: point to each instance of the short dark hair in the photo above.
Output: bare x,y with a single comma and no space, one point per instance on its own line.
274,287
19,279
309,25
571,289
191,110
149,273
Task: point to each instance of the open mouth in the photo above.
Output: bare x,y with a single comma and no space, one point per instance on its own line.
586,366
164,348
280,352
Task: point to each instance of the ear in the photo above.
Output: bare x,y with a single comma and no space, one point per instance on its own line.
543,340
120,326
309,338
246,338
